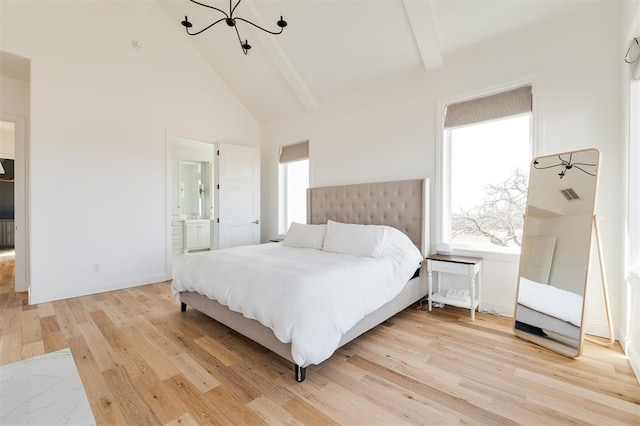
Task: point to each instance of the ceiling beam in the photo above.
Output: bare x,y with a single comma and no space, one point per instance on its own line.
424,31
283,63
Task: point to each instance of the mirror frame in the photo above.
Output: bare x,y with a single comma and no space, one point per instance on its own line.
534,338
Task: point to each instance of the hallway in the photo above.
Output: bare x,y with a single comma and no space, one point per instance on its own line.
7,270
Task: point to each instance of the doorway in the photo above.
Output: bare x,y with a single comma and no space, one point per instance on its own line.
7,189
227,213
192,206
13,196
15,79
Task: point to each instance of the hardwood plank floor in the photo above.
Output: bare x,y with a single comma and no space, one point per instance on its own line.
142,361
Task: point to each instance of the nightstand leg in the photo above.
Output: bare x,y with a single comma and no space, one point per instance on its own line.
473,298
429,286
479,293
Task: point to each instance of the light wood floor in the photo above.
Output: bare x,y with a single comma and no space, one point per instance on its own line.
144,362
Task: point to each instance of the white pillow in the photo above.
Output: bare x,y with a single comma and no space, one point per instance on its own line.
356,240
399,246
305,236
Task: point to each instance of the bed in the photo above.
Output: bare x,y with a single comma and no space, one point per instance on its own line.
544,323
400,204
549,309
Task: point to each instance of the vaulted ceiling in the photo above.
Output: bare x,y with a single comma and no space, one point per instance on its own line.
333,46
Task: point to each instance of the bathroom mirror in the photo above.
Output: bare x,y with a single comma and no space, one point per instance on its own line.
193,189
556,245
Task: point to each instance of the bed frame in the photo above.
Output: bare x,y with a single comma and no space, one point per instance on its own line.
546,322
401,204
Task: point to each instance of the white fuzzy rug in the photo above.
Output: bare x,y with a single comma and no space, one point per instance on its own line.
43,390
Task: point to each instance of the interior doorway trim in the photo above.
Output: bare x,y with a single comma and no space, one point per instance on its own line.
22,276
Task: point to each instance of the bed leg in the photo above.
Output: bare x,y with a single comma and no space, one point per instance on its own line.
183,307
301,373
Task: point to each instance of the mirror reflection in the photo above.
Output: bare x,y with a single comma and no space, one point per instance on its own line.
555,252
192,189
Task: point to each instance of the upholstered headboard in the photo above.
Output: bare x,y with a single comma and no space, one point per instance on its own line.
401,204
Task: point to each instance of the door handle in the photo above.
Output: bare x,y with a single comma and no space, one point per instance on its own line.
256,222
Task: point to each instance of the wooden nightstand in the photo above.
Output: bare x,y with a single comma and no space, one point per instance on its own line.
460,265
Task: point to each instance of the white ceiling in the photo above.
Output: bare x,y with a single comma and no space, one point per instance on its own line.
546,186
332,46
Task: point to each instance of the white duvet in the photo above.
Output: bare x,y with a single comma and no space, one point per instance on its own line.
550,300
306,296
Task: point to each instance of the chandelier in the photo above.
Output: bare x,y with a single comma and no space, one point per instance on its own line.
230,20
567,165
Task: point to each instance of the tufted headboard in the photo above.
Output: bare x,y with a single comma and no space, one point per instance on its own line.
401,204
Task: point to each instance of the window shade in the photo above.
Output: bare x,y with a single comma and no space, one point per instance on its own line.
500,105
295,152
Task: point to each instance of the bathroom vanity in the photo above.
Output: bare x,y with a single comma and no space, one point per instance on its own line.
197,234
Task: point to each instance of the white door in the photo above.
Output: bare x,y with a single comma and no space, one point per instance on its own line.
238,218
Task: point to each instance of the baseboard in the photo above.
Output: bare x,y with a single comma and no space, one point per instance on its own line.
35,298
633,356
497,309
599,329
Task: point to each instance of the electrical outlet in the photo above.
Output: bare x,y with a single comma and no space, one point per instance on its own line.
96,268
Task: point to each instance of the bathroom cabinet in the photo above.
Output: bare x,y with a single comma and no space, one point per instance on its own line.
197,234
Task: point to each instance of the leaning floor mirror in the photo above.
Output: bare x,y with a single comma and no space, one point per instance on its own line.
556,244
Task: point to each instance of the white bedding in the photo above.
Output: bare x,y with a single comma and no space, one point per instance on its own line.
551,300
307,297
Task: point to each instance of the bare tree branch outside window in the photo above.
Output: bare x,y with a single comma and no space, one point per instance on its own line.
499,219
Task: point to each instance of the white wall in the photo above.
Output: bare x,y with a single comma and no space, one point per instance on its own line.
630,301
7,141
14,96
100,111
571,250
14,99
388,130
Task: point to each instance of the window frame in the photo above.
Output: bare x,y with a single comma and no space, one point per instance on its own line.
633,186
283,189
443,166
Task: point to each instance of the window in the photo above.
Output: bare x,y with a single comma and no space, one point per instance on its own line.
293,181
487,148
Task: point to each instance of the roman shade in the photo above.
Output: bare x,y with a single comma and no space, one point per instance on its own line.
487,108
295,152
